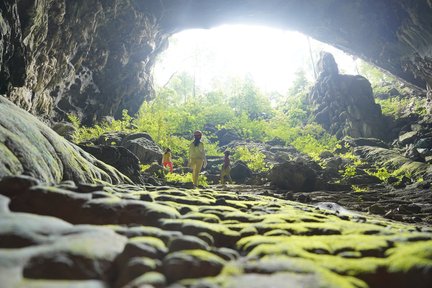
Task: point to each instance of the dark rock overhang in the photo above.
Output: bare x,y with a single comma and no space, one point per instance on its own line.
393,35
94,58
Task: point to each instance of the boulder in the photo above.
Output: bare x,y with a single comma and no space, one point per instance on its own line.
344,104
226,136
145,149
118,157
240,172
408,137
292,175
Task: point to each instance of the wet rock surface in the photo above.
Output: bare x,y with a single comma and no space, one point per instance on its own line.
234,236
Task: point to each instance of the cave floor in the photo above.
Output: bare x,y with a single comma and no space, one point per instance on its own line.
87,235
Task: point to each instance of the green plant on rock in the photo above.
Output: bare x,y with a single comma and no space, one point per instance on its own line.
83,133
349,171
396,107
359,189
253,158
381,173
144,167
186,178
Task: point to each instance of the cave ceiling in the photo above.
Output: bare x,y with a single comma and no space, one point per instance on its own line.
94,58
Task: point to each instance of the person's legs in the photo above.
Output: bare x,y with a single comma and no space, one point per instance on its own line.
228,174
223,174
170,165
196,169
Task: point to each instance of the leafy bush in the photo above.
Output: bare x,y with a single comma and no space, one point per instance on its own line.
396,107
83,133
381,173
253,157
186,178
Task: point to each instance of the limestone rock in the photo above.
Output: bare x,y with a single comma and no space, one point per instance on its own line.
27,146
344,104
118,157
146,150
191,264
295,176
240,172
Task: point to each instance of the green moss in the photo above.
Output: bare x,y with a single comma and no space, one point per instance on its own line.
206,217
200,226
403,258
241,217
190,200
149,279
200,255
152,241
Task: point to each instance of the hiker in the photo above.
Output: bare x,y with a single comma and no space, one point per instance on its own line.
167,161
226,168
197,158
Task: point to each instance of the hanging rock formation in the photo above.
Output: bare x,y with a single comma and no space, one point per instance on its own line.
94,58
344,104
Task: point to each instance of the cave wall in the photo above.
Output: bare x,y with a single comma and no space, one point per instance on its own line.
94,57
88,57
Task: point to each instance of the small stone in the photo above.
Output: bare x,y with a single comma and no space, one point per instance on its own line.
304,198
377,209
187,243
191,264
88,188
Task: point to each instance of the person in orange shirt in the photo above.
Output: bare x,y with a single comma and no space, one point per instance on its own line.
166,160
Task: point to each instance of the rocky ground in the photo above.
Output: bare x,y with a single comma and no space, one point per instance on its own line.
104,235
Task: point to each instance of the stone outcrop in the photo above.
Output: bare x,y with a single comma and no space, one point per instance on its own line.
29,147
94,58
344,104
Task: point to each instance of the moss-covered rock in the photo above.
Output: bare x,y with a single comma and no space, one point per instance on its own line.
191,264
28,146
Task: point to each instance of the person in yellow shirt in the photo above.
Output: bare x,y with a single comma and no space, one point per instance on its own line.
197,158
166,160
226,169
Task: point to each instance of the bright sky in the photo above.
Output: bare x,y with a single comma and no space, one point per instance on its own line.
271,56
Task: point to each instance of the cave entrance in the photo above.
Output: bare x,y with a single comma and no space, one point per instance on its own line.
274,59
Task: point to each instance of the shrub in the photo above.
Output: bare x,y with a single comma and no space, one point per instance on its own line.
253,157
185,178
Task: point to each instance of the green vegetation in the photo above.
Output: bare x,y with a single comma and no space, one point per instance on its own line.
396,107
397,102
252,157
185,178
237,106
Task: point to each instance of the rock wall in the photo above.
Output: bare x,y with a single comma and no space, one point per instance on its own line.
94,57
88,57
